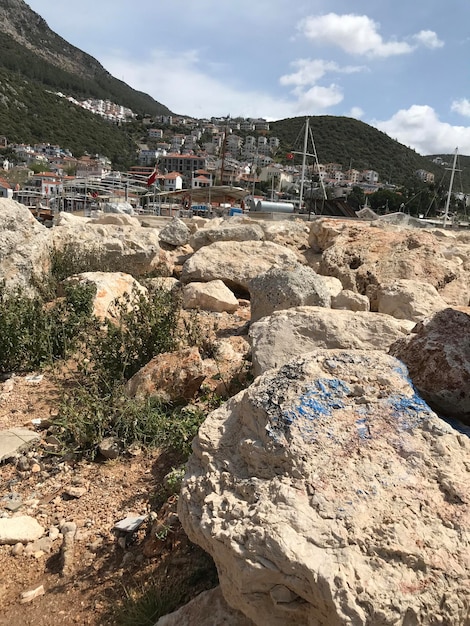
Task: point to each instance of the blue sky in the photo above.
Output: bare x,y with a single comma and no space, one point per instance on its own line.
398,65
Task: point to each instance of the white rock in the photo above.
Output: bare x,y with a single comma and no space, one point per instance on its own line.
211,296
112,290
230,230
409,300
331,478
351,301
21,529
24,246
175,233
236,263
286,334
286,287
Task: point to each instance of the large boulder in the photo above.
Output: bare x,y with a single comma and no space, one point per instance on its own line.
175,233
364,258
409,300
230,230
24,247
329,493
212,296
286,287
286,334
121,247
437,354
235,262
171,376
114,291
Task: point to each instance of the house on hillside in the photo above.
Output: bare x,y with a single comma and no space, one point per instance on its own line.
5,190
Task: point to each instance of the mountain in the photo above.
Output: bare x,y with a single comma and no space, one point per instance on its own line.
35,63
355,144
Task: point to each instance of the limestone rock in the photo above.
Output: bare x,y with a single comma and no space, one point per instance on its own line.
329,493
21,529
24,247
112,290
286,334
351,301
175,233
286,287
323,232
364,258
236,263
117,219
13,440
171,376
289,233
209,608
437,354
409,300
333,285
230,230
164,282
211,296
132,249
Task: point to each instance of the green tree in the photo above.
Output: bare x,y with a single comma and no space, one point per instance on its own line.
356,198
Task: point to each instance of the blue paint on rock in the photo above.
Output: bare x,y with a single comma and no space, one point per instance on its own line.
410,411
319,400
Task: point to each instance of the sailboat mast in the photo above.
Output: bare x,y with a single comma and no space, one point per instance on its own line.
304,159
446,213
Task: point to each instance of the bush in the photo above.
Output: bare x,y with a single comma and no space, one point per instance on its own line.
34,333
86,417
144,327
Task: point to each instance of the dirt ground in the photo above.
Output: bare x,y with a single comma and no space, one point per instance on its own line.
107,567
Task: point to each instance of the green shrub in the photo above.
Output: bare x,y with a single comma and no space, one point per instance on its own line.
86,417
34,333
144,327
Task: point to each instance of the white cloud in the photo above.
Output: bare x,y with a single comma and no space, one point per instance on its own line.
309,71
359,35
318,99
356,112
429,39
420,128
179,82
461,106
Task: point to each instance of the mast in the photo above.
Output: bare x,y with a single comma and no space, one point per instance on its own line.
446,213
304,158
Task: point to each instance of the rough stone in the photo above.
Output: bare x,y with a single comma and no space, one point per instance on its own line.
409,300
232,230
351,301
364,258
286,334
171,376
175,233
236,263
131,249
209,608
331,478
437,354
14,440
211,296
286,287
113,289
109,448
24,247
20,529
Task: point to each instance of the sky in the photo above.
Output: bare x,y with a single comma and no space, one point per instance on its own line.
398,65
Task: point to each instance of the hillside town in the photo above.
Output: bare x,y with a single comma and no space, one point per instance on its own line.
179,153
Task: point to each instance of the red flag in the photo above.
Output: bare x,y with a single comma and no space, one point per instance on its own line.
152,178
